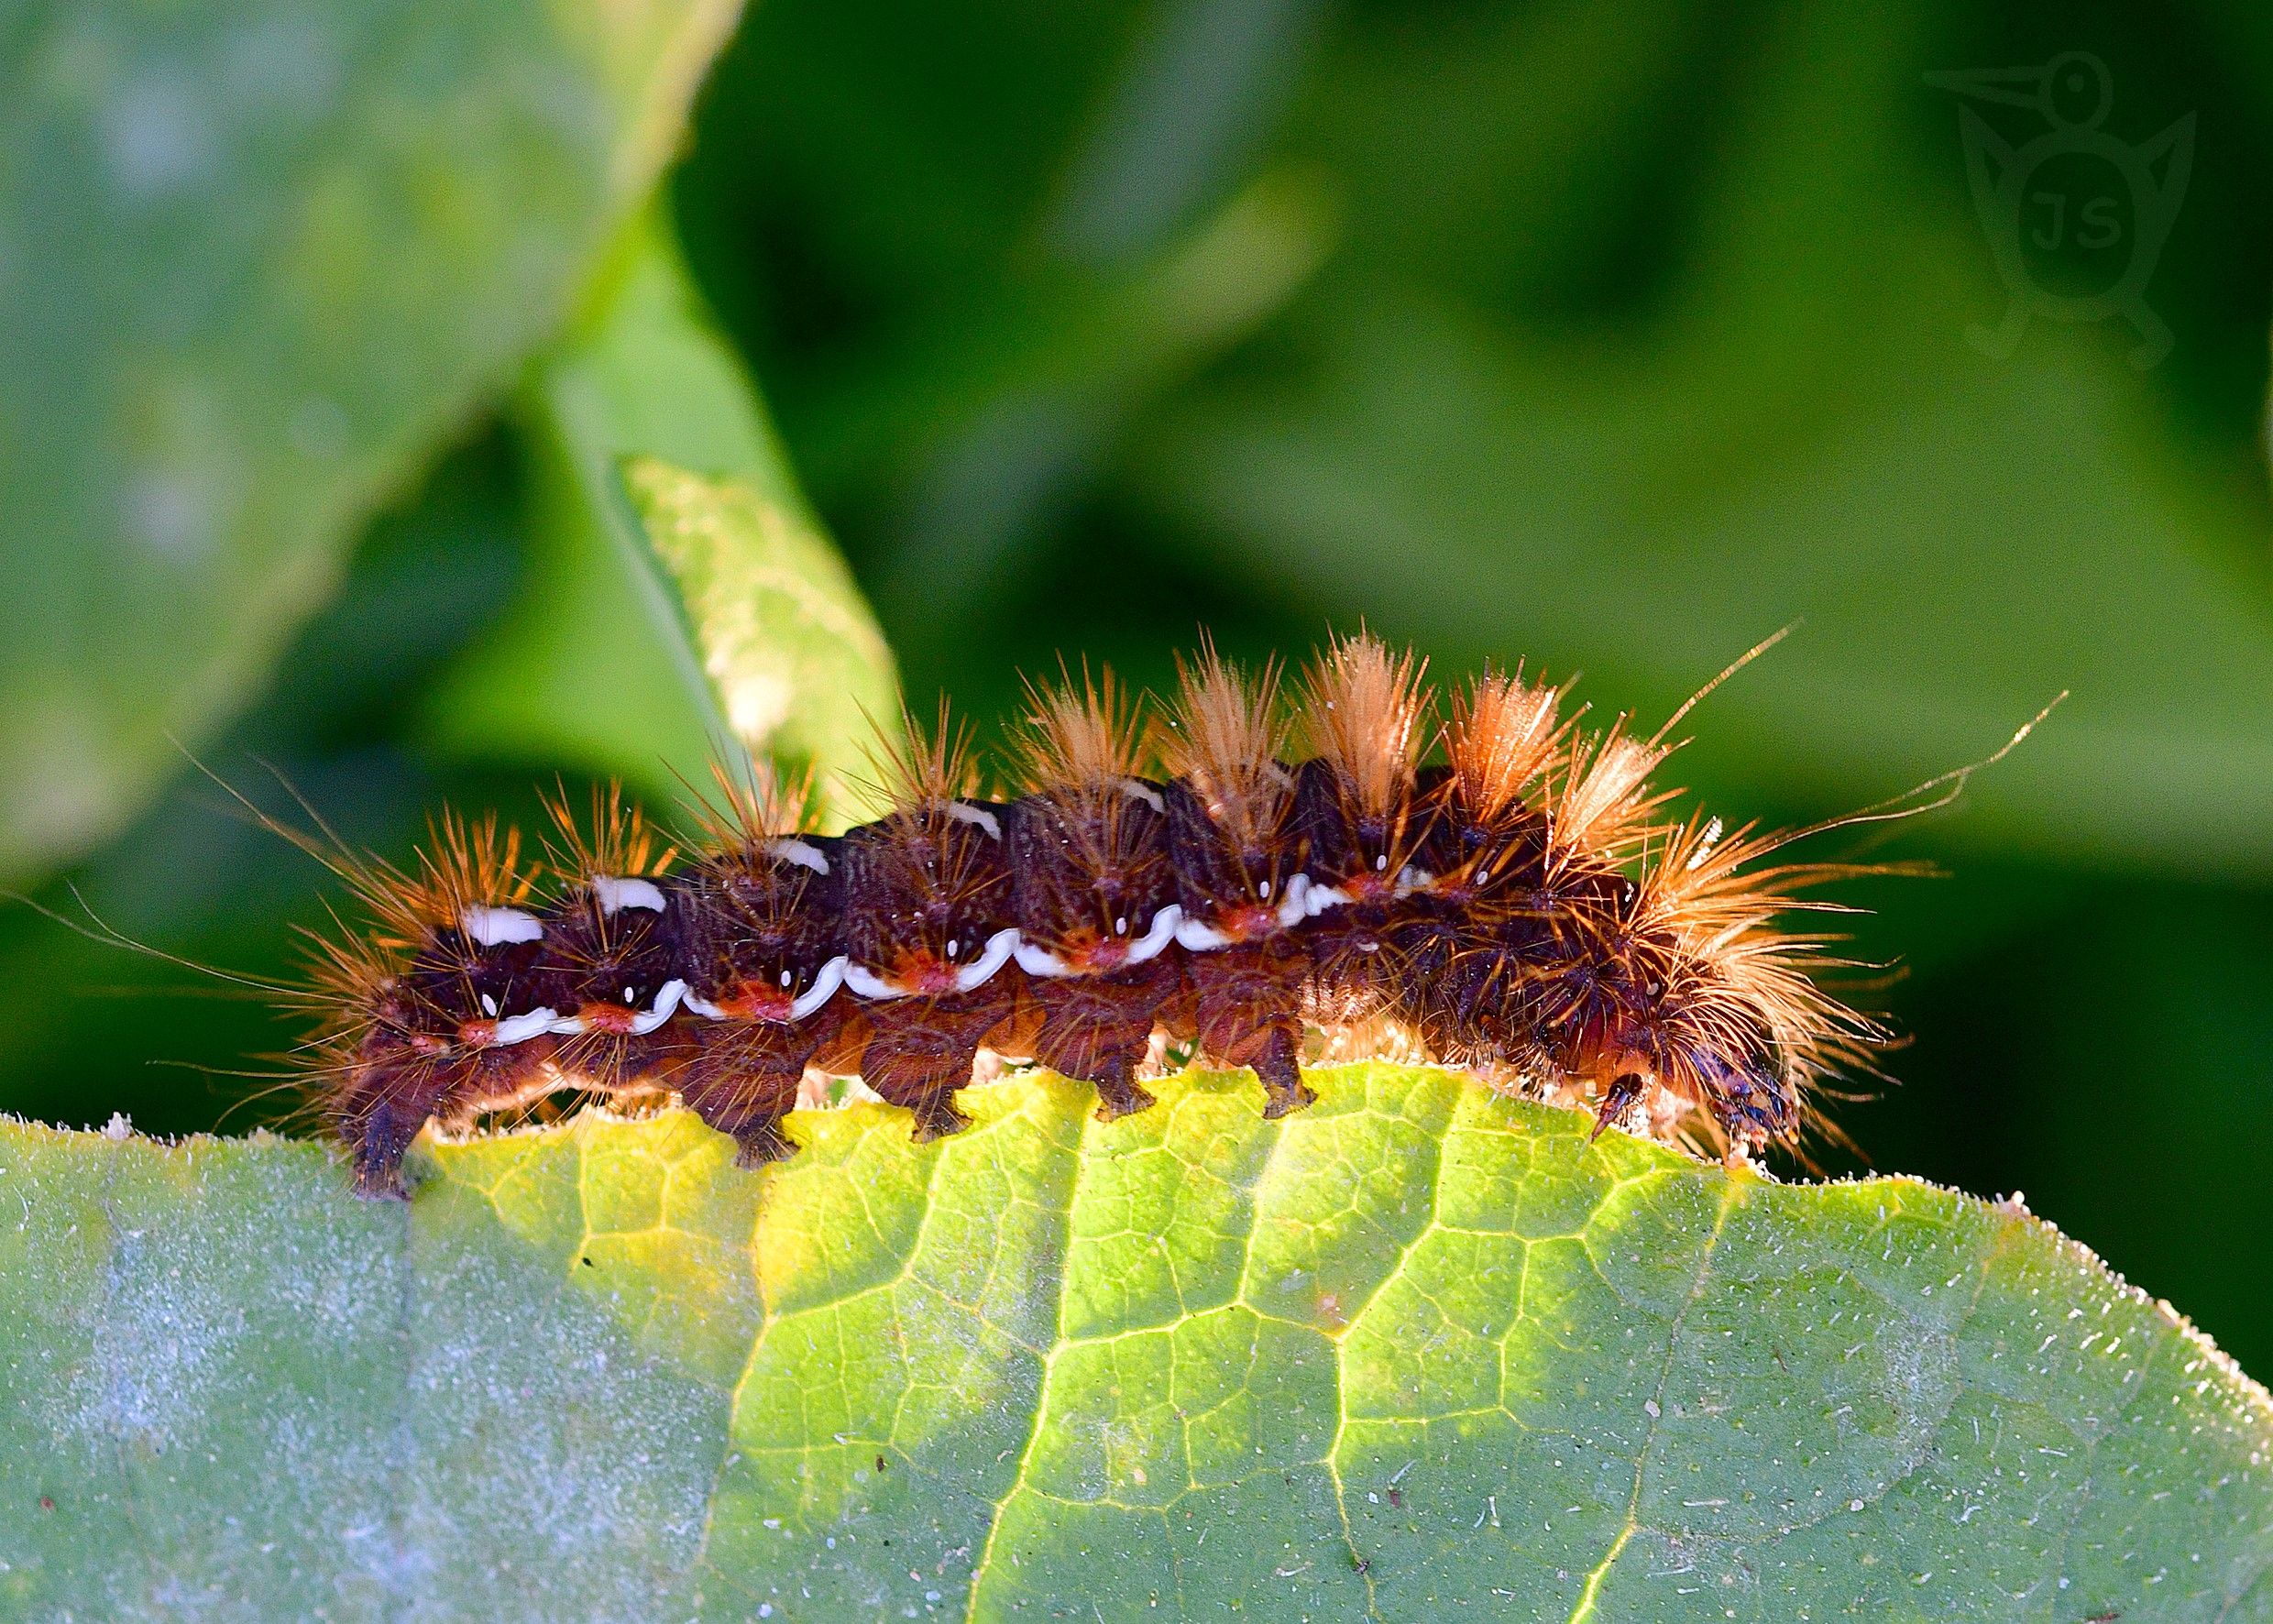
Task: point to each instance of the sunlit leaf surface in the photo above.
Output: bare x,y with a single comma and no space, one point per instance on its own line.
1415,1350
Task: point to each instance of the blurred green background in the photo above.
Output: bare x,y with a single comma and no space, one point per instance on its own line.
1613,337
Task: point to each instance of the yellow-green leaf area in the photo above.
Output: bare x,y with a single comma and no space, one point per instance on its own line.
1415,1351
800,667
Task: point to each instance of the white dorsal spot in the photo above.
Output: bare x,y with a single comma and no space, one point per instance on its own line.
615,895
629,995
495,927
964,812
488,1006
1262,890
787,978
1381,862
952,947
1120,925
804,853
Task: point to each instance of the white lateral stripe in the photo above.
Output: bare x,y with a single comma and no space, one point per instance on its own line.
802,852
999,946
615,895
1039,962
668,998
824,987
1144,792
1155,941
1293,909
865,983
1320,898
493,926
964,812
1196,938
520,1028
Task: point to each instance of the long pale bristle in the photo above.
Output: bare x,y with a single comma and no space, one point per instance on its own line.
1224,737
466,862
1701,887
1605,801
617,841
1504,738
754,806
924,768
1365,712
1085,737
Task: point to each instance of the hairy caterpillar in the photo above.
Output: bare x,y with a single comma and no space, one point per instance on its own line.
1504,888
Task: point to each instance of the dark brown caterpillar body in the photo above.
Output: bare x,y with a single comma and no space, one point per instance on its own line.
1521,905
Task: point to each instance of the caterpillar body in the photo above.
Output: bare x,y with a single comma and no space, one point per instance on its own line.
1505,889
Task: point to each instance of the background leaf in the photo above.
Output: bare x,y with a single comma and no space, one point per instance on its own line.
802,671
1797,431
680,595
1417,1348
255,262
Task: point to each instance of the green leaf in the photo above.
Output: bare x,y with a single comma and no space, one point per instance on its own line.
799,664
682,593
1794,428
254,261
1415,1349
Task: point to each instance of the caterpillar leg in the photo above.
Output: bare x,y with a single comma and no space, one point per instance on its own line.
394,1088
1248,1009
746,1104
1119,1093
1100,1031
923,1049
1617,1101
380,1139
938,1116
1277,1062
759,1140
743,1077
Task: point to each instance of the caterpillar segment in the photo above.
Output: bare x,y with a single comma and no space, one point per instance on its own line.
763,955
435,1010
1093,894
1497,887
1238,848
